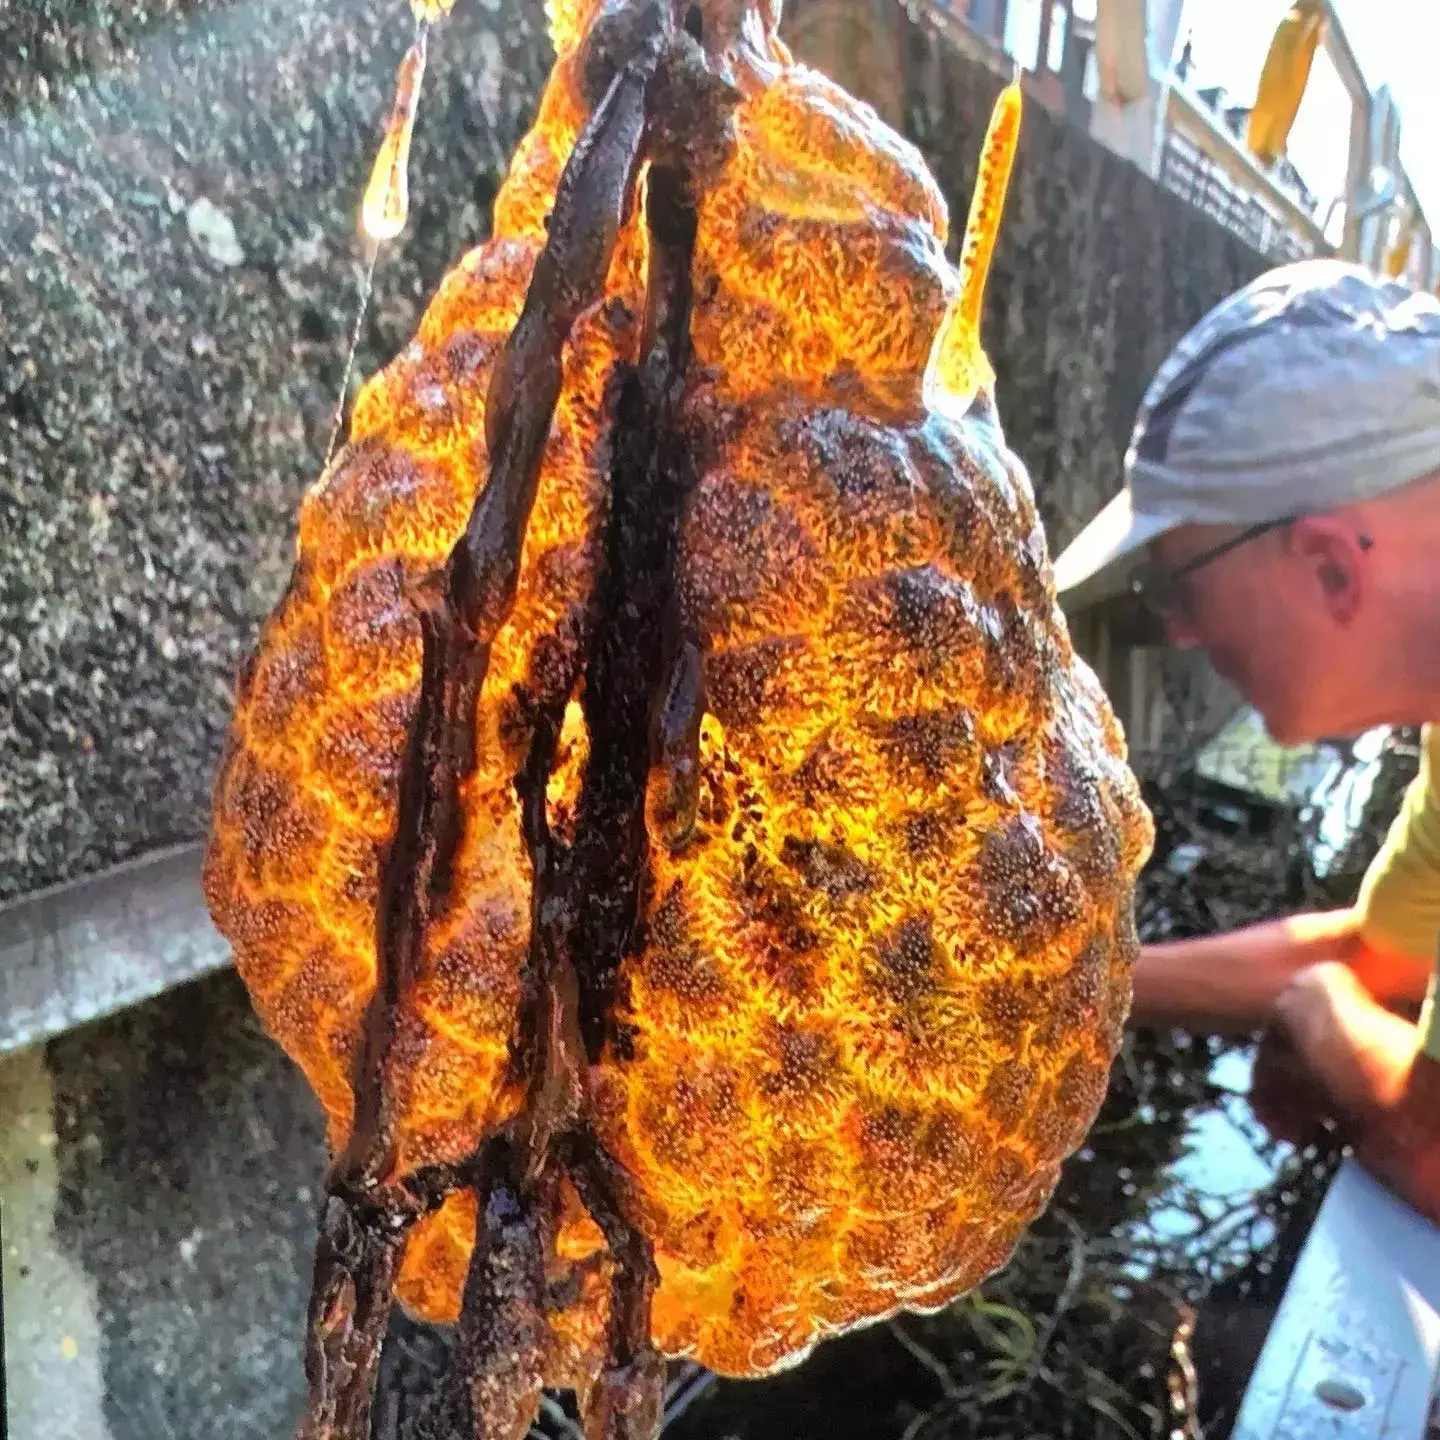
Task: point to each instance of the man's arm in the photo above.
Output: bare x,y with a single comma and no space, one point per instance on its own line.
1333,1048
1388,939
1399,902
1331,1053
1228,983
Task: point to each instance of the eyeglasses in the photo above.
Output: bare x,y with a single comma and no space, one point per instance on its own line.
1163,591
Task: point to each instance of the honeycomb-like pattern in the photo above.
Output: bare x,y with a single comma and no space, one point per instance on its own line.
877,989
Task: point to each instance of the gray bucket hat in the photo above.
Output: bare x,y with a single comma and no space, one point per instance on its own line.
1315,386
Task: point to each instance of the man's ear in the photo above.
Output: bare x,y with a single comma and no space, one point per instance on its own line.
1331,551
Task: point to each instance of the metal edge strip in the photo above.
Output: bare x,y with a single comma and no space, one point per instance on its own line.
84,950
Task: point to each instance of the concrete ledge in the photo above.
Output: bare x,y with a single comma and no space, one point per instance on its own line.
83,951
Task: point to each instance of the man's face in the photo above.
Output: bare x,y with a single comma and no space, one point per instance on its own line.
1255,621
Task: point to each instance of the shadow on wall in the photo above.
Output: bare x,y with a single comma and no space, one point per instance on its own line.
189,1154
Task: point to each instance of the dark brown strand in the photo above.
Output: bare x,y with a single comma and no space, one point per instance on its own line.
650,477
357,1259
492,1389
628,1400
584,900
460,622
360,1250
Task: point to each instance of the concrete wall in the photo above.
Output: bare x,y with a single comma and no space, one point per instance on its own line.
168,367
177,280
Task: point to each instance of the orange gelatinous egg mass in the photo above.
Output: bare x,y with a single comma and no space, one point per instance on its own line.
845,830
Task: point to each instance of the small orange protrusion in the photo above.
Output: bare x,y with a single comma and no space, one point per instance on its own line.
959,366
428,11
386,206
982,228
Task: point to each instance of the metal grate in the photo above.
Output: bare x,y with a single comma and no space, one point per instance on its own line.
1189,173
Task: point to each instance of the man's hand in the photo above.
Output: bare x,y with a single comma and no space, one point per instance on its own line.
1332,1053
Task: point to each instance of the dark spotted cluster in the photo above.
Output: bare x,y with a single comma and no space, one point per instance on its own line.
874,990
881,981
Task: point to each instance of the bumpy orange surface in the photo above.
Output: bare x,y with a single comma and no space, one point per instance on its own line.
878,987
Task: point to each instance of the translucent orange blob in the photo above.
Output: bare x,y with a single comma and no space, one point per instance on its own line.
877,985
386,205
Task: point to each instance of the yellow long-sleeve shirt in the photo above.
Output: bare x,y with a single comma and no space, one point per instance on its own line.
1399,900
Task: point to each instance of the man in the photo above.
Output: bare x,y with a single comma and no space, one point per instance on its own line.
1282,510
